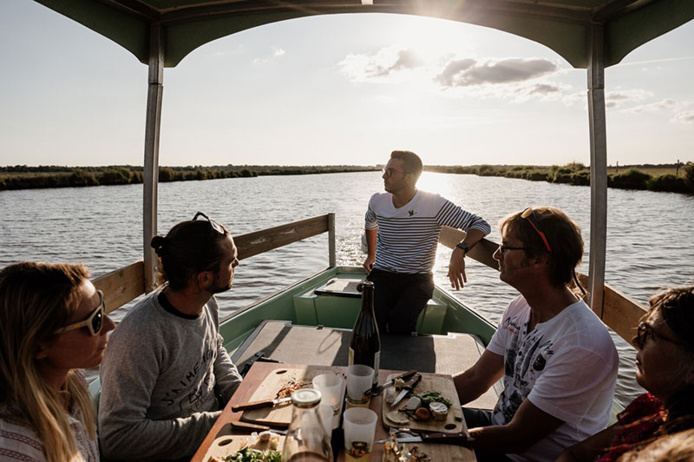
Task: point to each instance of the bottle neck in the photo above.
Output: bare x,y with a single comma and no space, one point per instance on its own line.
367,304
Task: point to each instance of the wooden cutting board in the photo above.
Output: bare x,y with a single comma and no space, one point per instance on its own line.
443,384
441,452
230,444
280,416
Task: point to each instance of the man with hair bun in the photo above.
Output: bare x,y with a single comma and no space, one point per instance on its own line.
166,374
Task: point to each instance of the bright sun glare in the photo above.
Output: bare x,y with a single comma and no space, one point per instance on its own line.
434,38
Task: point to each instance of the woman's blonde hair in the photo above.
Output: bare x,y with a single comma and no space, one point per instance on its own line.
36,299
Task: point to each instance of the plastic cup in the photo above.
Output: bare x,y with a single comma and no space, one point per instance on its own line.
359,381
330,387
326,416
360,428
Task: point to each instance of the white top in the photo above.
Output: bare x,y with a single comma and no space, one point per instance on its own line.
19,442
407,236
567,367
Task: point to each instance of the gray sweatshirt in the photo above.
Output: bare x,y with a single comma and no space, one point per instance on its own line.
158,382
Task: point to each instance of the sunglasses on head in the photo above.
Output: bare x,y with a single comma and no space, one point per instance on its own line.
216,226
528,215
93,322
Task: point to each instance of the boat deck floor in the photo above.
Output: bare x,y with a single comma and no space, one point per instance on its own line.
317,345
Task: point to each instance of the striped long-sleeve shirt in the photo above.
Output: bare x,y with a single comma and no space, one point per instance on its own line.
407,236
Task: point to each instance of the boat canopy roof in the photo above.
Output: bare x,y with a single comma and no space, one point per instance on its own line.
562,25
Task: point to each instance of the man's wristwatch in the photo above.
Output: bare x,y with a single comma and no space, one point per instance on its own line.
463,246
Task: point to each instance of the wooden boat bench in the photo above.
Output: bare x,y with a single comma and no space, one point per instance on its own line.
317,345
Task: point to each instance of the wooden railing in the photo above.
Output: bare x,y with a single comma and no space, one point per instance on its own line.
127,283
121,286
268,239
619,312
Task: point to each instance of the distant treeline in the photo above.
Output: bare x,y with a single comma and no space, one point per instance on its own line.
665,177
24,177
630,177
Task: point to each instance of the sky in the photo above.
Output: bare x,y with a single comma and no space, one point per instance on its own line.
332,90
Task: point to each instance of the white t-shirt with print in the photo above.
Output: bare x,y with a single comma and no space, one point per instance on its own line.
567,367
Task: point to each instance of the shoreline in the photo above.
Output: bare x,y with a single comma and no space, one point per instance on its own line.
677,178
674,178
49,177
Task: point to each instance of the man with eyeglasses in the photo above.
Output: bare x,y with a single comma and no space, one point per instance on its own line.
402,232
166,375
556,357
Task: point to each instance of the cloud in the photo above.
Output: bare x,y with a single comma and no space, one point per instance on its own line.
470,72
276,53
682,112
666,104
236,50
544,89
406,59
684,117
615,99
512,78
387,62
453,68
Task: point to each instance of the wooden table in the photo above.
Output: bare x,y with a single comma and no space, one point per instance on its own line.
254,378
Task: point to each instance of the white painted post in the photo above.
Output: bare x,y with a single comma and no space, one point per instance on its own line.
598,169
151,165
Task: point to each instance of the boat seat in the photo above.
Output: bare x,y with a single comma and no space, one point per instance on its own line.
317,345
338,301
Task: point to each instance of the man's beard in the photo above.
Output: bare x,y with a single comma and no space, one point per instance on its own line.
219,288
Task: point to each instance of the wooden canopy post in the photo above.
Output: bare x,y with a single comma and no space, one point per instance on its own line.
598,168
151,167
332,253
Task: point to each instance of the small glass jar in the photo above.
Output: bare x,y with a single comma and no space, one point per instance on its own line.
306,440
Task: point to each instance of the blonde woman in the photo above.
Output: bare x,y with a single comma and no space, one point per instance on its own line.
52,322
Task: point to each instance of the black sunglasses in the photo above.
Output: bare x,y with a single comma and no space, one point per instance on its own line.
645,330
503,248
94,321
216,226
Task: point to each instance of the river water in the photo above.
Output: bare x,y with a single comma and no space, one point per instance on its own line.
649,245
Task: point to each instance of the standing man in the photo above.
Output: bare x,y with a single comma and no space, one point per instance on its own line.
557,359
402,232
166,374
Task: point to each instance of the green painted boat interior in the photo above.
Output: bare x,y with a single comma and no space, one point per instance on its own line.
330,299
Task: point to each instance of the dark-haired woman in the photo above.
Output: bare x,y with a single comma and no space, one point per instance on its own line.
167,375
665,368
52,322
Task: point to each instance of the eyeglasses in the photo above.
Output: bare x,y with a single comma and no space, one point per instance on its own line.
504,248
528,215
93,322
216,226
645,330
388,172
